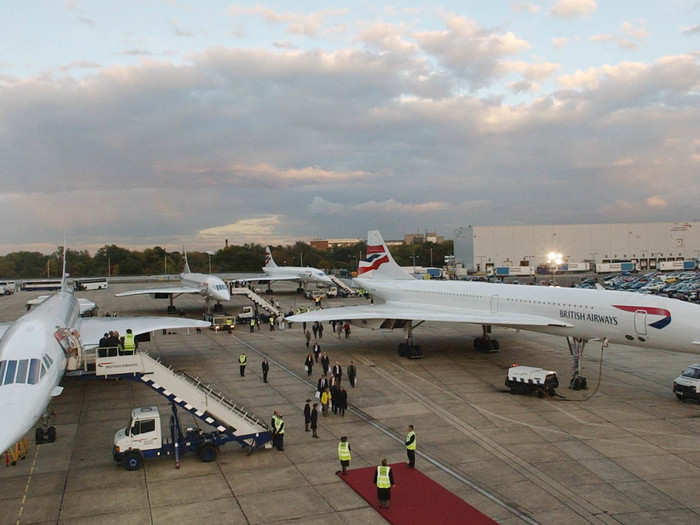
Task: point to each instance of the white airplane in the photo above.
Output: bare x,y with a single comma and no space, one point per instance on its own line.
580,315
301,274
34,351
210,287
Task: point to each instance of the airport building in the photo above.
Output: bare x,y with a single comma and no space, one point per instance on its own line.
482,248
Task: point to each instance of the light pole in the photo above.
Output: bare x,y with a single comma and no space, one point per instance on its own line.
209,253
555,259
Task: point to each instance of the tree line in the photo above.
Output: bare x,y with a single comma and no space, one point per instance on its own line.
114,260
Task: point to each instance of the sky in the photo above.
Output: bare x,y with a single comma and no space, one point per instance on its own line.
187,123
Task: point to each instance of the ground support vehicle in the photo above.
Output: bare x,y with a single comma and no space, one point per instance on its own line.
687,385
221,322
143,439
529,379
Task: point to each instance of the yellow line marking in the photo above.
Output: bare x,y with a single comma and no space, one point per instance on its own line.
26,487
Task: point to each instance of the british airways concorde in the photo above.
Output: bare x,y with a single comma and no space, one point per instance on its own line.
302,274
33,355
580,315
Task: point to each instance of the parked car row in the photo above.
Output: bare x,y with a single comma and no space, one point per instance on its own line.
678,285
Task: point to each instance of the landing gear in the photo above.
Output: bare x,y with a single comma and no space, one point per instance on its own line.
171,306
576,348
300,289
408,349
45,433
486,343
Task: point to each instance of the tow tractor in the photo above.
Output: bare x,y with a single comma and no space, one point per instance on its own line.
143,438
529,379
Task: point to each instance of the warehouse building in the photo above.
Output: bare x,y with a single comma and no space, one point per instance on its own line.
482,248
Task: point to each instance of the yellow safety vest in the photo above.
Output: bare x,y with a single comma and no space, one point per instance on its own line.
412,446
252,321
243,359
344,451
229,321
383,481
272,320
279,425
129,343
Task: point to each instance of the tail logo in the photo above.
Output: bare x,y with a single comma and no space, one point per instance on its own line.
376,256
650,310
267,258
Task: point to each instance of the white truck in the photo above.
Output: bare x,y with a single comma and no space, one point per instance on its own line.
529,379
8,287
246,314
687,385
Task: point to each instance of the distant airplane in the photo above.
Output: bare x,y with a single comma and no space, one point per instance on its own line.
580,315
210,287
302,274
35,349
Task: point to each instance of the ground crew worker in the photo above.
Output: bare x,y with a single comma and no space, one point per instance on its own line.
271,319
344,454
280,432
411,447
273,424
265,369
242,361
384,479
129,342
229,325
252,325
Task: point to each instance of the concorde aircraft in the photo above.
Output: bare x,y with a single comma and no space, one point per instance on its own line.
33,356
580,315
302,274
208,286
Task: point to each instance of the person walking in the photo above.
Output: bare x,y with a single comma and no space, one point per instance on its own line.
271,320
273,425
303,325
308,338
317,351
334,395
309,365
280,432
322,384
252,325
384,480
337,372
320,330
342,402
411,447
314,420
325,363
242,361
352,374
265,369
347,330
307,415
344,454
325,401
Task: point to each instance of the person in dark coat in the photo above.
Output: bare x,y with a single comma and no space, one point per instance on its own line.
337,371
384,493
314,420
314,328
322,384
334,395
265,369
342,402
320,330
103,341
307,415
325,363
317,351
308,338
309,365
352,374
347,330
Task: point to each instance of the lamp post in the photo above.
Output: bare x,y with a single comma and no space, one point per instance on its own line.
555,259
209,253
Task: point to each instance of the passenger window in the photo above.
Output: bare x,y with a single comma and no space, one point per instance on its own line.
46,361
10,375
22,366
43,370
33,375
148,426
48,358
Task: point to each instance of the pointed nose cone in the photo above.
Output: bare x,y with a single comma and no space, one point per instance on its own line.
12,428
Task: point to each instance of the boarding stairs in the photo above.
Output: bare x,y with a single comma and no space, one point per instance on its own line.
257,299
189,393
340,284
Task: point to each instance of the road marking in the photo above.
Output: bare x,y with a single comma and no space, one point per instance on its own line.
26,487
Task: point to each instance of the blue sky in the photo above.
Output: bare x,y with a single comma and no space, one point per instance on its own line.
265,122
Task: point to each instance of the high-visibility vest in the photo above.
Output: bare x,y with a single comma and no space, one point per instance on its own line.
411,446
272,320
229,321
344,451
129,343
252,321
280,425
383,481
243,359
275,423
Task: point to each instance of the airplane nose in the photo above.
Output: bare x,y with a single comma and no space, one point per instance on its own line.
11,430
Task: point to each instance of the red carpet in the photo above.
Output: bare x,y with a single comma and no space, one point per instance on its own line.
416,499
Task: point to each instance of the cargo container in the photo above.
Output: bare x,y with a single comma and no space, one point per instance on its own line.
503,271
677,265
615,267
575,267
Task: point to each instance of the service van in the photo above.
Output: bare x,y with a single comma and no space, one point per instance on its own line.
687,385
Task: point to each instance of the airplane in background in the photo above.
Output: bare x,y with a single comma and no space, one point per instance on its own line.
580,315
208,286
301,274
36,348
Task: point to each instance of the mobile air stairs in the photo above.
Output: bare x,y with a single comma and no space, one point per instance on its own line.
230,421
340,284
259,301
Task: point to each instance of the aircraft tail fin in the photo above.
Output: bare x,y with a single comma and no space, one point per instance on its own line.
379,264
269,261
187,264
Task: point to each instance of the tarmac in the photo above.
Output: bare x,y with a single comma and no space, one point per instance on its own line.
630,454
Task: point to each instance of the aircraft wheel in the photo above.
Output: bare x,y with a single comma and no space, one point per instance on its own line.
132,461
39,435
51,434
207,453
172,310
495,345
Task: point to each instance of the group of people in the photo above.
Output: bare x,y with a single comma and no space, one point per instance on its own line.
339,328
125,345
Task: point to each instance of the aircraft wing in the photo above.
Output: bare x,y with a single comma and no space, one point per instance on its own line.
93,328
4,327
266,278
422,312
174,290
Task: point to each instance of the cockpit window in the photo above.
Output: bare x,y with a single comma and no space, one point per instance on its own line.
10,373
24,371
692,372
22,367
33,375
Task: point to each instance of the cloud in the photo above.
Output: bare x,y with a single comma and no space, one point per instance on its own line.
691,30
321,206
80,64
560,42
254,229
532,71
656,202
180,32
573,8
631,35
284,44
528,7
302,24
522,86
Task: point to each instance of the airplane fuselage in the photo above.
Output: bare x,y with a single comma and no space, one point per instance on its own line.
627,318
210,286
300,273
